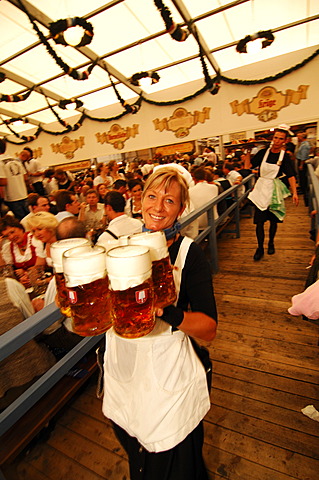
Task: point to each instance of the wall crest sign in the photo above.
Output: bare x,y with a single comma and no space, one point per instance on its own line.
269,101
117,135
67,146
182,121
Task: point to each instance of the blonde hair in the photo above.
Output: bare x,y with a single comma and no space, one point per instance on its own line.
166,176
43,220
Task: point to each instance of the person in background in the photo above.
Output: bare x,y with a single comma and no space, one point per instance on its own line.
43,226
36,203
201,194
133,206
272,163
67,204
119,222
102,190
157,408
22,250
102,176
114,171
302,154
63,180
30,360
48,182
34,169
92,212
13,177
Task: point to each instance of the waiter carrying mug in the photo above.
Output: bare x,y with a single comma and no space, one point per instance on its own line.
269,192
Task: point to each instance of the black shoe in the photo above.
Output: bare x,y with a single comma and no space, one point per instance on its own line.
271,249
258,254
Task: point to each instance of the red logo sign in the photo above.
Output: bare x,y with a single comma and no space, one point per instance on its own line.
141,296
72,296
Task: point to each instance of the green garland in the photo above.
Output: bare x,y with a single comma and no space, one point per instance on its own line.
133,108
57,29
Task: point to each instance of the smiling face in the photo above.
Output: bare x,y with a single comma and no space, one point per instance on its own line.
137,192
161,207
14,234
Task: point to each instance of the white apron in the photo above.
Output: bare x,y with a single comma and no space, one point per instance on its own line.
262,192
155,386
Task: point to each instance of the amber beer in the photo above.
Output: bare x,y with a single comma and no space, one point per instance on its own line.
56,251
130,273
162,271
88,289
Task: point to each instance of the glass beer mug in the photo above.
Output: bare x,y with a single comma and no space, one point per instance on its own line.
162,271
88,289
130,273
56,251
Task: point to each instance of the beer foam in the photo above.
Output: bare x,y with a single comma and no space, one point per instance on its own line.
128,266
84,264
155,241
107,244
58,248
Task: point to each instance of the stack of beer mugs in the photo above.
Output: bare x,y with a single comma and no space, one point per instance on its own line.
122,287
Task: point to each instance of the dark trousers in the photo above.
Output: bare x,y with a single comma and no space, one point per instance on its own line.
183,462
38,188
18,208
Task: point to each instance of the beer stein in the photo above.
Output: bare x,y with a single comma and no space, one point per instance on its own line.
88,289
56,251
130,273
162,271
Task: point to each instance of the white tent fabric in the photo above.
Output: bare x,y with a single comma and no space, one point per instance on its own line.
130,37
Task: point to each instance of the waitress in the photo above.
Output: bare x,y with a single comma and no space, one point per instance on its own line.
273,163
155,388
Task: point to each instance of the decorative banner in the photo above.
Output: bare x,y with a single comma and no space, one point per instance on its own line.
269,101
82,165
177,147
67,147
117,135
181,121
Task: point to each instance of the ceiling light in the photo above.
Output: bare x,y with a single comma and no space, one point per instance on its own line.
71,104
254,46
73,35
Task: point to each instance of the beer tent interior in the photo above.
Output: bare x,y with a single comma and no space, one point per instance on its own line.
129,37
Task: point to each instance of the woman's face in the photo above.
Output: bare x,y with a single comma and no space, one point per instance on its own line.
137,191
14,234
161,208
43,234
102,190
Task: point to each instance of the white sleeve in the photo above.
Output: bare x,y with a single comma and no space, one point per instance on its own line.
49,296
19,297
6,253
39,248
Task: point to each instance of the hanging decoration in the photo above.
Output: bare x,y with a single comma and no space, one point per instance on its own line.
72,72
15,98
128,108
241,46
135,79
64,104
176,32
57,116
60,26
213,85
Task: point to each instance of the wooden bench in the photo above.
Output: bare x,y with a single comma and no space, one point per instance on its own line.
29,425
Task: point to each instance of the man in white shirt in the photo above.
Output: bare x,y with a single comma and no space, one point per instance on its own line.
34,169
13,177
67,204
119,223
92,212
202,193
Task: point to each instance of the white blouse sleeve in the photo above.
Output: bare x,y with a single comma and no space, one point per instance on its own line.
19,297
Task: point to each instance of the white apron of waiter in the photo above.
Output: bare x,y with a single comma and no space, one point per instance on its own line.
262,192
155,386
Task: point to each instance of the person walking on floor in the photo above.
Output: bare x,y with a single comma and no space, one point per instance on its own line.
269,192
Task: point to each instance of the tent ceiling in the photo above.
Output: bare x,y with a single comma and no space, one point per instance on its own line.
130,37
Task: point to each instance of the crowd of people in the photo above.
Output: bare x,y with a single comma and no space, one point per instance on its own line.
156,412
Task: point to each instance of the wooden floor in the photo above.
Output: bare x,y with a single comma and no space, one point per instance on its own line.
266,369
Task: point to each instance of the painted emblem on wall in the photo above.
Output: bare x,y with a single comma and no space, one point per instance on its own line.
67,146
117,135
269,101
182,121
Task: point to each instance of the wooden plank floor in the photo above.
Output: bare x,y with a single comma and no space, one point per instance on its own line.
266,368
